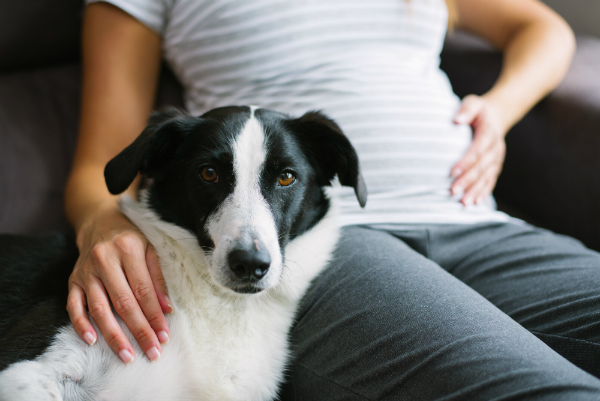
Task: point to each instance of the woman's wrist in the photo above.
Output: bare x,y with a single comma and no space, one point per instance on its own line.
95,214
86,196
504,111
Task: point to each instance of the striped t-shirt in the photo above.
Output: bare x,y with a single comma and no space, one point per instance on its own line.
372,66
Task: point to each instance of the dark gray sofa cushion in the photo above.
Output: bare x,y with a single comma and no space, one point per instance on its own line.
39,32
38,125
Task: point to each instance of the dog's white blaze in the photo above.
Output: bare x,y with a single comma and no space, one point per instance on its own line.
245,215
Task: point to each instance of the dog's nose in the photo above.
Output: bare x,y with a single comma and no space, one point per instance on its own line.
251,263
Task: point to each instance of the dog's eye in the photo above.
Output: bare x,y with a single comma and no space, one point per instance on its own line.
209,174
286,178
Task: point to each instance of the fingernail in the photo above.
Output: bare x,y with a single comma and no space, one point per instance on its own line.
169,304
153,354
456,172
163,337
126,356
468,200
89,338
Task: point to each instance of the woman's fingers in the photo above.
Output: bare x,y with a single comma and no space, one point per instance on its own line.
468,114
160,285
488,187
479,180
124,295
477,149
76,307
472,165
101,312
476,192
477,171
474,180
133,257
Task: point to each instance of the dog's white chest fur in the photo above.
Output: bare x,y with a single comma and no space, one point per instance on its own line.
223,345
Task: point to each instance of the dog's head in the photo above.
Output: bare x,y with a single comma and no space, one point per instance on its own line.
245,181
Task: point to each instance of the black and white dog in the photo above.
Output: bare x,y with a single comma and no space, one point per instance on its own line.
235,205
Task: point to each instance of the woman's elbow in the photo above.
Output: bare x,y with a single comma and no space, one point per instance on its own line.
561,34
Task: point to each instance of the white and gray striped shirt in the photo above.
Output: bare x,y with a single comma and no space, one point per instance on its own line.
373,66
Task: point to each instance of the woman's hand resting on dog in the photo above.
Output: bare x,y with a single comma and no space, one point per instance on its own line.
118,264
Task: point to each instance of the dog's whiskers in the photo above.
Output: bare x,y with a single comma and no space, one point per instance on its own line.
304,249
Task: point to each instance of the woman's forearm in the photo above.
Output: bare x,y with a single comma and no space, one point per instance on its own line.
121,60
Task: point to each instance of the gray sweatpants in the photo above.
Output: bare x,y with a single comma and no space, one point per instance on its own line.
456,312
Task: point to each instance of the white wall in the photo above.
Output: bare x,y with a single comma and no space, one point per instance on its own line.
582,15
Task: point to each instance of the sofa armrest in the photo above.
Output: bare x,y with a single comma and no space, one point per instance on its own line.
551,175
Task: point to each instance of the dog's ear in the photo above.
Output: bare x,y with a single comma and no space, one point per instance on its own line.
326,143
150,151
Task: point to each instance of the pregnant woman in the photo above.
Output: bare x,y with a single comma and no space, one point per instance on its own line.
432,293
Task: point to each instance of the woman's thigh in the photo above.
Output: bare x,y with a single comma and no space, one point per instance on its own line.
384,322
548,283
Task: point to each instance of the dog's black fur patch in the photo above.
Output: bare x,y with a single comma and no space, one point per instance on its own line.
34,274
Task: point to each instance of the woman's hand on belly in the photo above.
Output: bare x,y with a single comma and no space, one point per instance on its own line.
478,170
537,46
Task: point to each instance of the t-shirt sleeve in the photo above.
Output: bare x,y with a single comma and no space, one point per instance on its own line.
152,13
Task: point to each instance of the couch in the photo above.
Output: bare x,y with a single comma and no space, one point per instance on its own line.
551,176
